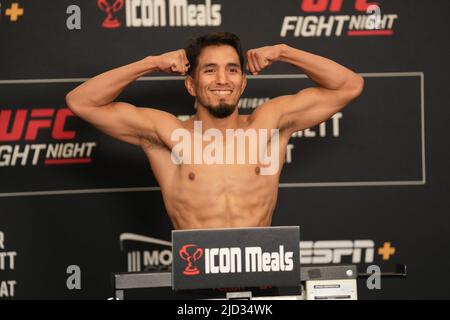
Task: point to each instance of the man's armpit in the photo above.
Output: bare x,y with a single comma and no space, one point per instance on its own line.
286,125
152,142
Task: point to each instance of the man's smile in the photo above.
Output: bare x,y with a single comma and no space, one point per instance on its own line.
222,93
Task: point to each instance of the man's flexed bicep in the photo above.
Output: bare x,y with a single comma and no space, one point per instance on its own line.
312,106
124,121
336,86
94,102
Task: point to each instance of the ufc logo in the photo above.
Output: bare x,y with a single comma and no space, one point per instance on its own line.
333,5
39,119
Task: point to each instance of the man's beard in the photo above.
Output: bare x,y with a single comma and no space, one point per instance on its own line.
223,110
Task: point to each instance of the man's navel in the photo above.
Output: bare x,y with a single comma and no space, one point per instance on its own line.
191,176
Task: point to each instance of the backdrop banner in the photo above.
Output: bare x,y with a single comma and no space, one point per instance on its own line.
369,186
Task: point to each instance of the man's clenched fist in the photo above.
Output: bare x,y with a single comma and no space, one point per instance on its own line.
260,58
173,62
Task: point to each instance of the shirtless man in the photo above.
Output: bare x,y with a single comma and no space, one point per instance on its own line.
215,195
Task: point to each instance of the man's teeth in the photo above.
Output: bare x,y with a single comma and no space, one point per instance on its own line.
222,92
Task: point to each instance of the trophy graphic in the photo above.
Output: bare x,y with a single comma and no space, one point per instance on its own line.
191,257
110,21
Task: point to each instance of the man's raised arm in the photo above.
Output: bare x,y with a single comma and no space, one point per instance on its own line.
93,101
336,86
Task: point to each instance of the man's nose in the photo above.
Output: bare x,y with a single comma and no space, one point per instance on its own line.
222,77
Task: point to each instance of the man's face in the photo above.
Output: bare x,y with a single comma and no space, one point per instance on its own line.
218,81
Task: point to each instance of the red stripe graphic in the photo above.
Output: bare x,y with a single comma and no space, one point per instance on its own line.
65,161
42,112
370,33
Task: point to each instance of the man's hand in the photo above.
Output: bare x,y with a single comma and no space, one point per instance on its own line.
260,58
173,62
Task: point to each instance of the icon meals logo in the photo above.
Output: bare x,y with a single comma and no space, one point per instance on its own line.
230,260
160,13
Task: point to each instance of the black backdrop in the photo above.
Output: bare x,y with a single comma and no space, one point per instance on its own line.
377,174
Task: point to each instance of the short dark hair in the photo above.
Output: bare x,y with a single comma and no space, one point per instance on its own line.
196,45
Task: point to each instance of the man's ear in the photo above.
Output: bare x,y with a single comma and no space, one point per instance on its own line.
190,85
244,83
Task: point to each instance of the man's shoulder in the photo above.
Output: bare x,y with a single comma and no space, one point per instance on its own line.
265,111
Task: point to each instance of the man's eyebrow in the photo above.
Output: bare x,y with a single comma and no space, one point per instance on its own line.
230,64
209,65
234,65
